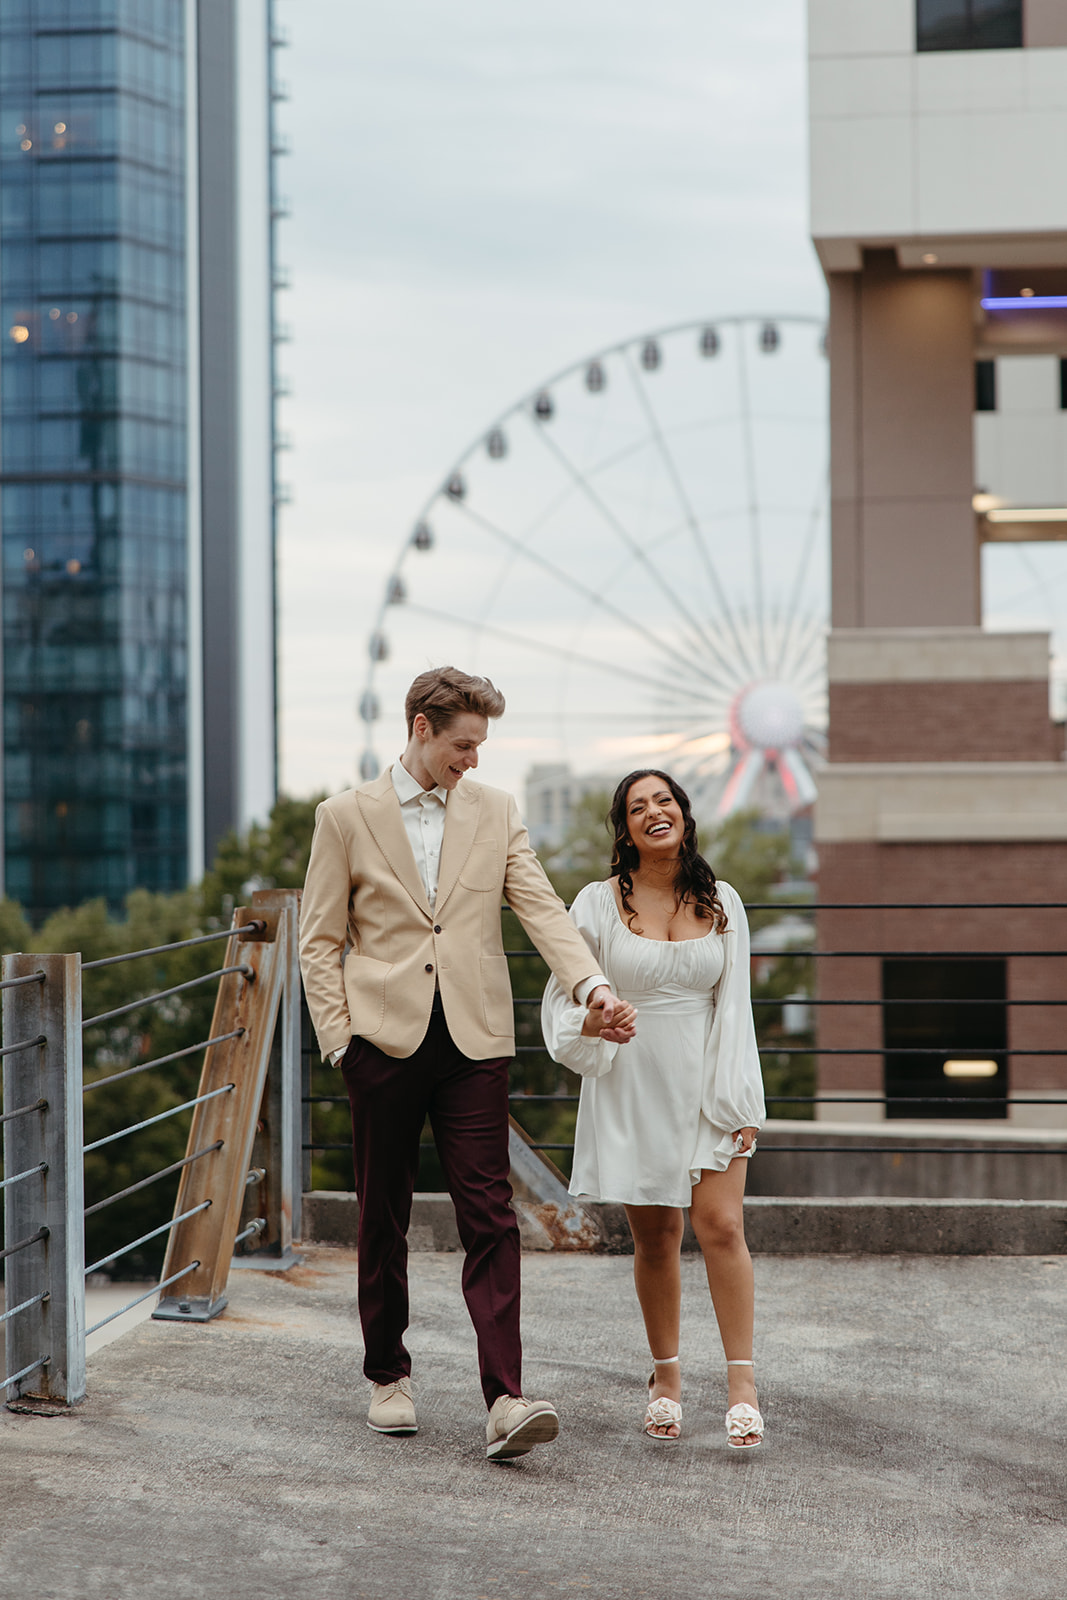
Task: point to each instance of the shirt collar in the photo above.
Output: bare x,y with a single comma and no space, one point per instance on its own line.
409,788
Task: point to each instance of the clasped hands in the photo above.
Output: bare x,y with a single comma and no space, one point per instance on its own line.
609,1018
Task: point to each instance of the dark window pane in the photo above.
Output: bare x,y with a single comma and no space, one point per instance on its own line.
997,24
968,24
922,1035
985,386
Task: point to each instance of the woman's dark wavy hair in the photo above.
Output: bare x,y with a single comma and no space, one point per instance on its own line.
694,881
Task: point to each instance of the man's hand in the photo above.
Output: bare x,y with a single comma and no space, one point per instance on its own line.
608,1017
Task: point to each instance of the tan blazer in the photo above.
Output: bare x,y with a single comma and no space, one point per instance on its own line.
363,889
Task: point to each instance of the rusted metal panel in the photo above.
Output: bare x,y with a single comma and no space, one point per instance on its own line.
543,1202
250,1002
276,1200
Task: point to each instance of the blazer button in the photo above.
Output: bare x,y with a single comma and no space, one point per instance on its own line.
429,966
437,928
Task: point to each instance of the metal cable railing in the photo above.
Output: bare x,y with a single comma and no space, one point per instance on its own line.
44,1090
249,928
157,1288
20,1177
162,1061
23,1244
162,1116
898,1100
165,1229
165,994
144,1183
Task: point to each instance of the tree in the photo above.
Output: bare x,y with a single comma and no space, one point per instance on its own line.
270,857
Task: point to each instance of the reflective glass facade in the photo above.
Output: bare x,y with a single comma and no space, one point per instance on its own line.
93,512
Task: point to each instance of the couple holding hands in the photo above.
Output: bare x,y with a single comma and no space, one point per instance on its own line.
408,989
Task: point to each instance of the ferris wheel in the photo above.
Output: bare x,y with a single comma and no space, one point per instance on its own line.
636,553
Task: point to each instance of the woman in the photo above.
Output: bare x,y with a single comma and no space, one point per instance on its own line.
670,1120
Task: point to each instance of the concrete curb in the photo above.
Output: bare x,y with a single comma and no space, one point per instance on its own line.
773,1226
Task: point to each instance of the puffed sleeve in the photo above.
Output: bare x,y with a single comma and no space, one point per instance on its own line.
733,1083
561,1018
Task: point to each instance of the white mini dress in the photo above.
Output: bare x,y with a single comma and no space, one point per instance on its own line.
654,1113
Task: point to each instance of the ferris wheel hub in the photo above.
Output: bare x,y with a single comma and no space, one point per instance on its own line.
767,716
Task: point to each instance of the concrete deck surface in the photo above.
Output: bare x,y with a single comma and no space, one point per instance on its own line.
917,1447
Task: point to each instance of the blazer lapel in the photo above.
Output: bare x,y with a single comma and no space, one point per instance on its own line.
380,807
461,824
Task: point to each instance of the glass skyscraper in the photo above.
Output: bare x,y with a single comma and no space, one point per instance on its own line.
136,465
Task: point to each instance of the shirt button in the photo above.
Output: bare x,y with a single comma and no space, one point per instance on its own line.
429,966
437,927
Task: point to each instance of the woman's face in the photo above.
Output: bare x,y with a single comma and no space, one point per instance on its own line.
654,819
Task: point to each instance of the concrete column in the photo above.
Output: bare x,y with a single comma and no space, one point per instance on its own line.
903,541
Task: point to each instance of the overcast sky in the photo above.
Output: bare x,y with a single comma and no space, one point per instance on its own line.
482,193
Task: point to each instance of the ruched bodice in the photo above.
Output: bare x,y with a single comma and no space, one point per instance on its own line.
655,1113
657,975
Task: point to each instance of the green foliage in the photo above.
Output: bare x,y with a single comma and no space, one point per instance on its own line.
271,857
584,853
751,859
15,933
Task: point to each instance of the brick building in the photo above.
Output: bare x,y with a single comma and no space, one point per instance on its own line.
934,128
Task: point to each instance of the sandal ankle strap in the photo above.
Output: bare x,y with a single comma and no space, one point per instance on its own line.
740,1363
666,1361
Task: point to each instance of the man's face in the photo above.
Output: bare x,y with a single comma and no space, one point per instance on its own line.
445,756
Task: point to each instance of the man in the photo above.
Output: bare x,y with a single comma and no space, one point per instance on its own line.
409,873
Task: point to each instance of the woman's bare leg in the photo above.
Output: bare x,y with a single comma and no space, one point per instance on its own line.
718,1223
657,1235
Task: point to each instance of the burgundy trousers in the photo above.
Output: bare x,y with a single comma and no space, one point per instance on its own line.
467,1103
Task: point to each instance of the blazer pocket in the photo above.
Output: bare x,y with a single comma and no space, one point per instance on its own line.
365,990
481,870
497,1004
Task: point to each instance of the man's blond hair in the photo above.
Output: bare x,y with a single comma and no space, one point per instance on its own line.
444,693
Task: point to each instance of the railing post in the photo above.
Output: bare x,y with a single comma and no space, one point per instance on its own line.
308,1054
53,1199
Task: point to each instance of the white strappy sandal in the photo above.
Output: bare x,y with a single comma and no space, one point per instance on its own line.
743,1420
663,1413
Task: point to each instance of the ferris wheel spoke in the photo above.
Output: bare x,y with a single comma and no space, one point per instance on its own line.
806,655
685,503
755,531
632,545
803,653
543,647
794,609
600,602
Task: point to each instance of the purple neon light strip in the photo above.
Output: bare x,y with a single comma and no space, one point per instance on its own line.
1027,302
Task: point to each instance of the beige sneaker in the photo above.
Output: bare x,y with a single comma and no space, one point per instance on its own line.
515,1425
391,1408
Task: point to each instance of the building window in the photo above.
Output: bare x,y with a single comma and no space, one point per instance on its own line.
954,1054
968,24
985,386
1063,384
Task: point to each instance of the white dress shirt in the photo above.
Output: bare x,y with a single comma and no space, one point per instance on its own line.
423,811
